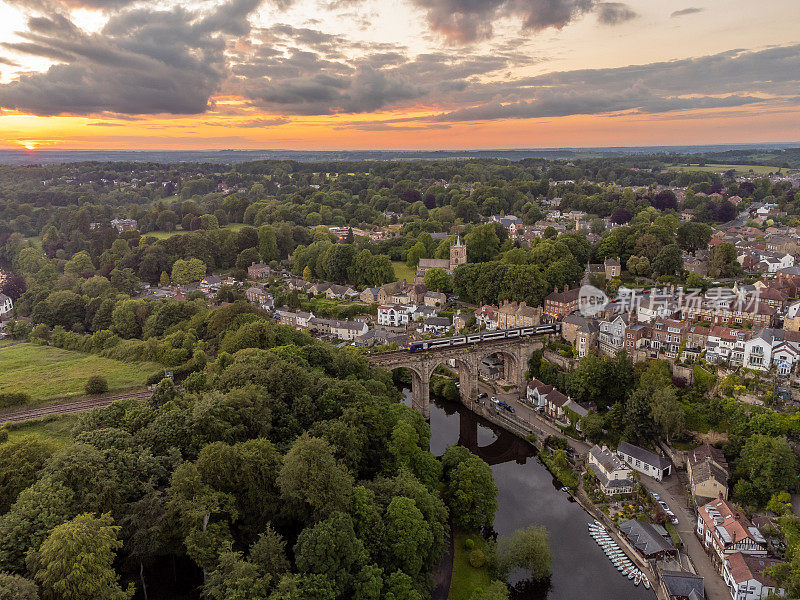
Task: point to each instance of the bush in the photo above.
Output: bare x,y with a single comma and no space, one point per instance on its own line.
10,399
477,558
96,384
469,543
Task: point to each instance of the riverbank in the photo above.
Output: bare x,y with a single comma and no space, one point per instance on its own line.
527,496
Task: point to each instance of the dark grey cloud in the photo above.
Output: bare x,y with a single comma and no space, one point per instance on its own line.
143,61
728,79
466,21
292,70
686,11
614,13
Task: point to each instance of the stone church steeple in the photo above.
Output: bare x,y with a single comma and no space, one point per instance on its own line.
458,254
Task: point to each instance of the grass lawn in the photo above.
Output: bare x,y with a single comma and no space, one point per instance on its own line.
45,372
401,271
162,235
466,578
55,430
710,168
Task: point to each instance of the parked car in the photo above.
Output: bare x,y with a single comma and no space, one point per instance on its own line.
510,409
664,505
495,400
655,496
674,520
503,405
482,395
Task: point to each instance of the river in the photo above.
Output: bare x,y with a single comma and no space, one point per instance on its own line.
528,495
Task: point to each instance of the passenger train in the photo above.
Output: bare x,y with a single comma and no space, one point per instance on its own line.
484,336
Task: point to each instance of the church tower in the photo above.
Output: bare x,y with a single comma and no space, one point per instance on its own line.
458,254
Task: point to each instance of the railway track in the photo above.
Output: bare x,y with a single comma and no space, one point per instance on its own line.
68,408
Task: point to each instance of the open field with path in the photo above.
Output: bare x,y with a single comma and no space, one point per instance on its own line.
402,272
709,168
162,235
45,372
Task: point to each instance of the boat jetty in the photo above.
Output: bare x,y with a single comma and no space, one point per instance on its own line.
617,555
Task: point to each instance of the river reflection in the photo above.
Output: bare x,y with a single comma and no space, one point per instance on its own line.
527,495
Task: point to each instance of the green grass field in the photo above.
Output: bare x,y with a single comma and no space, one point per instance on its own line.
466,578
162,235
756,169
54,430
401,271
45,372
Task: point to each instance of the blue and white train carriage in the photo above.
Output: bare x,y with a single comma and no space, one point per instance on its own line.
484,336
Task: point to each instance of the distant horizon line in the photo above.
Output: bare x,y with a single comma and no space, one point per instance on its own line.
441,150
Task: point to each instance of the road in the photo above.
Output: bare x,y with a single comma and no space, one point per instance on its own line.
66,408
672,491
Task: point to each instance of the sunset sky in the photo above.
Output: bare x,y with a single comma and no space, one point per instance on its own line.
415,74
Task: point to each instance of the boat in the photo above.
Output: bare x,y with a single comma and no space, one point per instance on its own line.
645,581
627,569
596,522
633,573
637,578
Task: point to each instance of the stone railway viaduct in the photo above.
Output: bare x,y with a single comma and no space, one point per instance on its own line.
516,353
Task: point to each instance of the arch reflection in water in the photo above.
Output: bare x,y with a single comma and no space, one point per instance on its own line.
527,496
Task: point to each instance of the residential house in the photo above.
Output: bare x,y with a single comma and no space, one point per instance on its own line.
124,224
340,330
559,304
340,292
210,284
547,398
649,543
369,295
511,315
708,473
459,321
614,476
730,309
258,271
682,585
420,313
724,530
726,345
303,319
260,297
394,315
486,317
611,338
694,340
657,306
644,461
6,304
586,338
435,299
667,336
581,333
612,267
379,336
593,269
744,575
436,325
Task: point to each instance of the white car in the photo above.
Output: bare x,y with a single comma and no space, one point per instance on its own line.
655,496
495,400
664,505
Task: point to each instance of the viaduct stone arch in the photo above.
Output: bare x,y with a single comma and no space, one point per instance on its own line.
516,353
